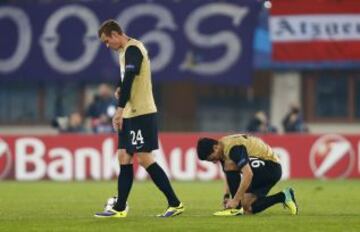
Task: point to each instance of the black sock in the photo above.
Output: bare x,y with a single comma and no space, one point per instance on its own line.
160,179
233,179
265,202
125,181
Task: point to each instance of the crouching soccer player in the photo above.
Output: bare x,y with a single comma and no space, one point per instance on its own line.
251,169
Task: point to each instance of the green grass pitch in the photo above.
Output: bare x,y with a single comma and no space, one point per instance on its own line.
69,206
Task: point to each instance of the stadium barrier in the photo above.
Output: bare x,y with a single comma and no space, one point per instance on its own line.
93,157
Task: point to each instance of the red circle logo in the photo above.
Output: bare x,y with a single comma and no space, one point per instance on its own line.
5,159
332,156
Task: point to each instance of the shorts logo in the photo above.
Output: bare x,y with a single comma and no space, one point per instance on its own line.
332,156
5,159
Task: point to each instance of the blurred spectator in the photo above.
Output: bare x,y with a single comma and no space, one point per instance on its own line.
260,124
102,109
74,123
293,120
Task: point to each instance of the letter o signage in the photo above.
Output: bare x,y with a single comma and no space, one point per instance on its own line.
50,39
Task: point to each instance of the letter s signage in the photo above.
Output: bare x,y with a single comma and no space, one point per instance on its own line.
231,41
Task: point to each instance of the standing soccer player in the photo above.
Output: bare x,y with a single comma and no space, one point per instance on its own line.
135,120
259,168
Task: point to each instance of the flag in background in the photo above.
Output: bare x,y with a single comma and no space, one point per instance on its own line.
315,30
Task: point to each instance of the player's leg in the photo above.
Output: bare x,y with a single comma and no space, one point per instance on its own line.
262,203
146,140
265,177
161,180
125,179
285,197
232,182
233,179
126,175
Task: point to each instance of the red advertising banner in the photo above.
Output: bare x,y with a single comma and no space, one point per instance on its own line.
93,157
320,30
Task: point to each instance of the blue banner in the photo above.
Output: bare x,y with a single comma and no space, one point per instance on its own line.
206,41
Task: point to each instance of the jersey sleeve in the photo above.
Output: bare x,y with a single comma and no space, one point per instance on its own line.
133,60
239,156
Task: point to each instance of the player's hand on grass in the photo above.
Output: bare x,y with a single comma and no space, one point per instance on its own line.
117,93
117,120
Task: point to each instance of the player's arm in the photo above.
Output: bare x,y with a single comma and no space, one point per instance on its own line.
239,156
133,59
117,92
247,176
118,89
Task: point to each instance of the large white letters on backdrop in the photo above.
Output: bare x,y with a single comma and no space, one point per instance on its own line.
50,39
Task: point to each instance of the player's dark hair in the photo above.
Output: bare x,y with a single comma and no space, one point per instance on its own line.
205,147
108,26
